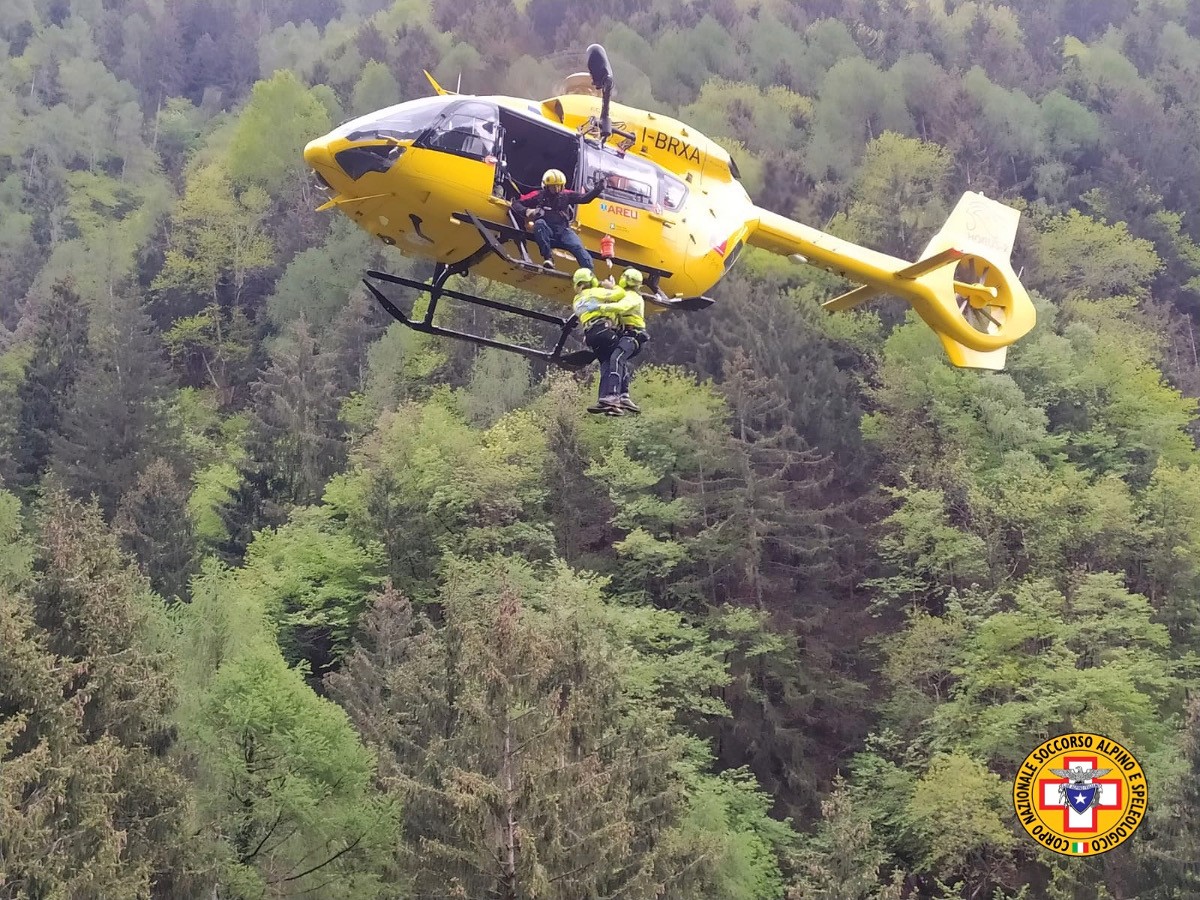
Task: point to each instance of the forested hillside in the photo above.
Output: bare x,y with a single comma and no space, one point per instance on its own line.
297,604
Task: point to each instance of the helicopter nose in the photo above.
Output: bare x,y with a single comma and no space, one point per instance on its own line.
317,154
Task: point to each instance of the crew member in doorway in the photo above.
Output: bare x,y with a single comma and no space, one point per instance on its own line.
550,210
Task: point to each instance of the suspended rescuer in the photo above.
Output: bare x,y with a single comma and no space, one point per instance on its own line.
550,209
599,310
634,336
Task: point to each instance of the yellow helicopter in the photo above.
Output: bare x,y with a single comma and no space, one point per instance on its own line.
436,178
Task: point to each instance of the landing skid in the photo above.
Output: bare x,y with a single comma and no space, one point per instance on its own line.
494,236
574,360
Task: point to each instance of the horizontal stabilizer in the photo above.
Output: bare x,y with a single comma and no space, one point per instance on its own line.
945,258
852,298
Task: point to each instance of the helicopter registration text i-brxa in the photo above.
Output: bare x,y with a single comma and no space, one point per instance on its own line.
436,178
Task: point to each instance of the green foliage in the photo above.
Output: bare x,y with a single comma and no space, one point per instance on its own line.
500,383
106,222
317,282
217,234
295,435
842,860
279,119
529,758
1169,536
425,483
1165,859
91,805
153,523
118,421
857,103
957,833
1070,127
931,554
896,198
1011,124
773,119
213,347
214,445
728,817
292,48
989,557
284,783
999,669
1103,392
1101,70
312,582
214,489
57,356
179,125
1121,263
375,90
15,566
932,417
402,365
683,60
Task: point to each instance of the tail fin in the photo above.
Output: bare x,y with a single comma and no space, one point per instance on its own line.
963,285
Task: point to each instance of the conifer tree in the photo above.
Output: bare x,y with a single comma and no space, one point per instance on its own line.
91,804
60,348
842,860
295,432
357,326
776,543
117,422
523,771
154,524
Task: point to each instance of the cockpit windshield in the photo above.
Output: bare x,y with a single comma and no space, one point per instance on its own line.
403,122
635,181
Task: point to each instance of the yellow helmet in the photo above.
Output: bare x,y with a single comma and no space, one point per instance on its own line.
554,178
631,278
584,276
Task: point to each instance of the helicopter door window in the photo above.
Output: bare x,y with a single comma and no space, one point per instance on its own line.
632,181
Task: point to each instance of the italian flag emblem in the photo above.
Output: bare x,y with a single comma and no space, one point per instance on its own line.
1080,846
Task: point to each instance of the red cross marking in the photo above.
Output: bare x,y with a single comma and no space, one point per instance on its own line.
1047,794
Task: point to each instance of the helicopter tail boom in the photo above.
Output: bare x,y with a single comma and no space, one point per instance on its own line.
962,286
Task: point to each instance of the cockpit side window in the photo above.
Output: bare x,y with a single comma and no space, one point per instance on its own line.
469,129
672,191
405,121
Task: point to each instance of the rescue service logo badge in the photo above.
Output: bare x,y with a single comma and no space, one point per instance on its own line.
1080,794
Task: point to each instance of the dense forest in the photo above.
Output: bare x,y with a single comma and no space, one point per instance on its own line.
297,604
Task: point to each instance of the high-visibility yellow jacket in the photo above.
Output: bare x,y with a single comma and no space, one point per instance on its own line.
600,303
633,313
